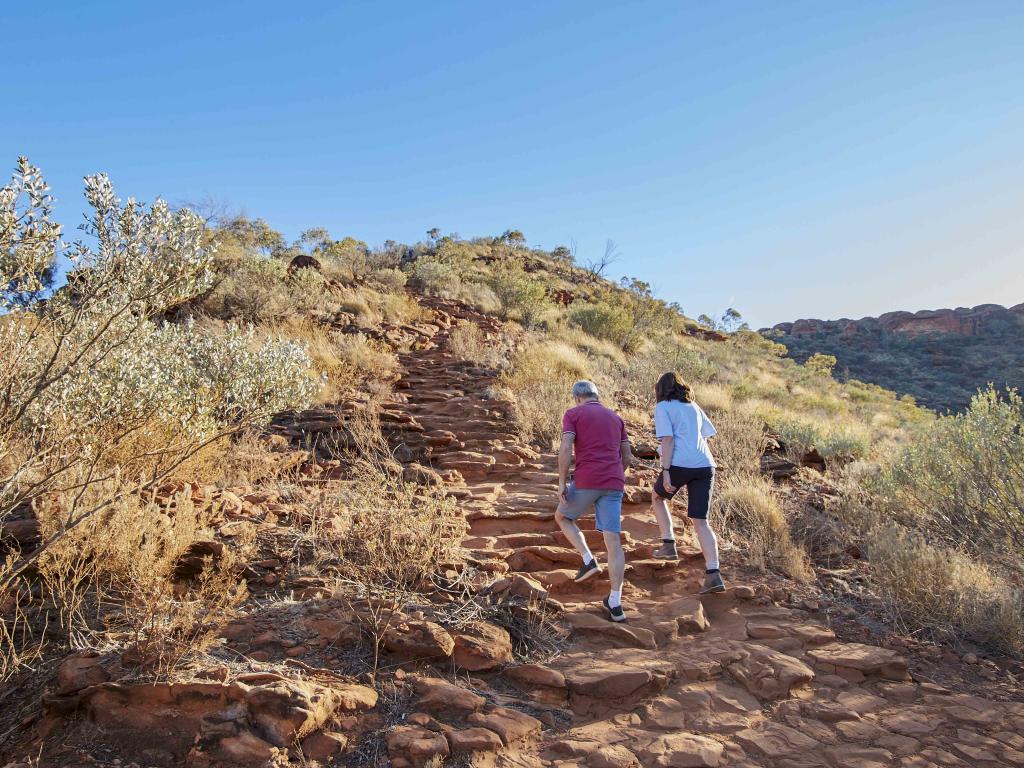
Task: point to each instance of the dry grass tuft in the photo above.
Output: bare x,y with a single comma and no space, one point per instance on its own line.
386,539
469,342
739,443
539,385
945,592
116,573
752,512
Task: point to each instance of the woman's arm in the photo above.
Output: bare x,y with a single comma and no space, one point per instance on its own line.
667,444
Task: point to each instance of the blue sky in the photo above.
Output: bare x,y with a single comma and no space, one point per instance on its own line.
791,159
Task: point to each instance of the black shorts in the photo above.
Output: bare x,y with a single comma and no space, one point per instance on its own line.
698,482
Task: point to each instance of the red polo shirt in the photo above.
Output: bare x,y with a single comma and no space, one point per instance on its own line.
599,434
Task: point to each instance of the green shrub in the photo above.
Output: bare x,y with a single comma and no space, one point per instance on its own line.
522,297
820,364
389,279
432,275
963,476
603,321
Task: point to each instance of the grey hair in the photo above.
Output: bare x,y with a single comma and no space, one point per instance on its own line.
584,388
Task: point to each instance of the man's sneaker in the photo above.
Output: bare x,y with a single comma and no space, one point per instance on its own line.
666,551
587,571
616,613
712,583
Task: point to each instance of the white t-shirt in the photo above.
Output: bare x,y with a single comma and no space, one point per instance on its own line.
689,428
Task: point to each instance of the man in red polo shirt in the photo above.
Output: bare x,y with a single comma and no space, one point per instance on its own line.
598,437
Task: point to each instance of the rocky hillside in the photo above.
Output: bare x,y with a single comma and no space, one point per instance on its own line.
270,505
769,673
941,357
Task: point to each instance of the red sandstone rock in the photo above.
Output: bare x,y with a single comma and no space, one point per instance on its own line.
419,640
417,745
510,724
473,740
79,671
866,659
438,695
536,674
482,646
768,674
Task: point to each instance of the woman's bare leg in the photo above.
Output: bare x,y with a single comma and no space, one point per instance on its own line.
659,507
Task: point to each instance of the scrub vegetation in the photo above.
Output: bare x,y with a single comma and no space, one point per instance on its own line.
175,341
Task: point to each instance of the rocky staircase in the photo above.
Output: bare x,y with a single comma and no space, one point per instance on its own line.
744,678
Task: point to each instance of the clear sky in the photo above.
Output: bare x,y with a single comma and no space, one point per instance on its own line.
791,159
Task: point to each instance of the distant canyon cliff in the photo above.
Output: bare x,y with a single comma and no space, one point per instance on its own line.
940,356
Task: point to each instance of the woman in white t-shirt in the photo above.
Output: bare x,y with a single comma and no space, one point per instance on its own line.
683,430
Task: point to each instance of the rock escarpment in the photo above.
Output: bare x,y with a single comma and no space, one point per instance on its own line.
941,357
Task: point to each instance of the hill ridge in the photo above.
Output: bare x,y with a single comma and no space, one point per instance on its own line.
939,356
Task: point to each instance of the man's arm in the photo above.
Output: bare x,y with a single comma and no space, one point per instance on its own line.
565,460
627,455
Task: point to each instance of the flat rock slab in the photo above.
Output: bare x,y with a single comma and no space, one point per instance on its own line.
683,750
510,724
866,659
608,681
619,634
774,741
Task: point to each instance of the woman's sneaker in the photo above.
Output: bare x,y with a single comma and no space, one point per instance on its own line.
616,613
587,571
666,551
712,583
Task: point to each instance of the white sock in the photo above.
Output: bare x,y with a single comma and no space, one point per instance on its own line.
708,543
614,598
587,556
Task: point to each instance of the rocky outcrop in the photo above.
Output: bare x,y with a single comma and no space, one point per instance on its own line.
940,357
961,321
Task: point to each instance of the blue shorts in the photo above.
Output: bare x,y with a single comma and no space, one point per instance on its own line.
607,506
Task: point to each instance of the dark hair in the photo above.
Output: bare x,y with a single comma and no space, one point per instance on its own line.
671,387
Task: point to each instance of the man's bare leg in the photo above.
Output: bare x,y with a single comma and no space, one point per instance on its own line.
574,535
616,567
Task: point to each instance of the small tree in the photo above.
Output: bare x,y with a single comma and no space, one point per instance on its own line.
562,253
598,267
513,238
732,321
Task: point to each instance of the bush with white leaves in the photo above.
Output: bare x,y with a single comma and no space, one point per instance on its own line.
98,386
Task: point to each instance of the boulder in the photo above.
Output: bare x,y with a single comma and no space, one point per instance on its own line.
438,695
416,745
288,710
323,745
689,615
482,646
79,671
473,740
419,640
